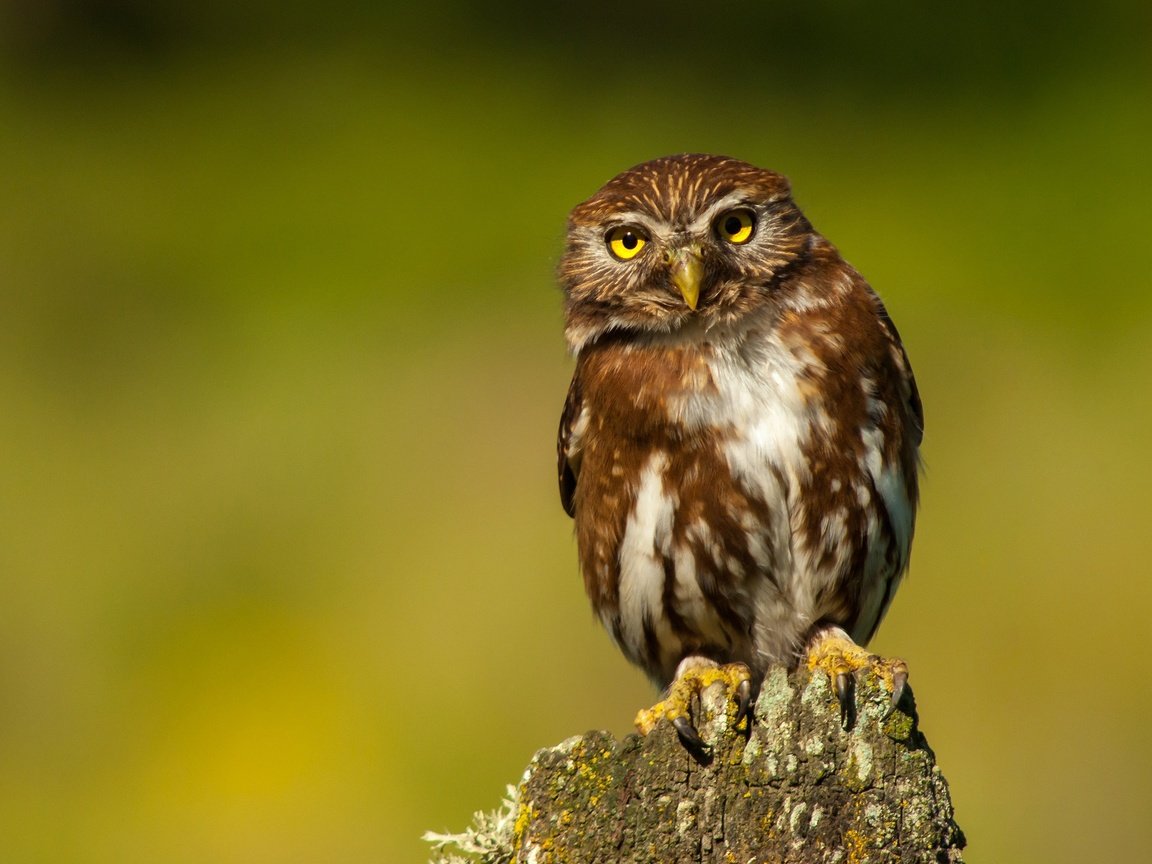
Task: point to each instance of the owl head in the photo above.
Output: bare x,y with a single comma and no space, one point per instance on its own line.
689,240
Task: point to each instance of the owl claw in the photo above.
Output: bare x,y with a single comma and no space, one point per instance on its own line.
899,681
743,703
839,657
846,696
689,736
696,674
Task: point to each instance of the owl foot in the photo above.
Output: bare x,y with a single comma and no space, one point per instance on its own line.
693,677
833,651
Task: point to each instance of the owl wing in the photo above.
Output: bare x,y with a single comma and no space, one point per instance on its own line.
915,406
898,498
568,445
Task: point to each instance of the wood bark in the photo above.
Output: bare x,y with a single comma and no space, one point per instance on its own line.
797,789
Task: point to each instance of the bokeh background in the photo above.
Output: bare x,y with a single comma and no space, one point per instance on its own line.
283,572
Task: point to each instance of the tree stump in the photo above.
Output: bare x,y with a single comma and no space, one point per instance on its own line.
797,789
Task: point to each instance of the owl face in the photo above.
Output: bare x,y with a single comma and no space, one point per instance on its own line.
676,241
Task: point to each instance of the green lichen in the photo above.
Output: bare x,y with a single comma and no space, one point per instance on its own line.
817,814
857,773
796,815
774,707
899,726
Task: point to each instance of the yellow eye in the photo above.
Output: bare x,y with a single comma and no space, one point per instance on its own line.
736,226
625,242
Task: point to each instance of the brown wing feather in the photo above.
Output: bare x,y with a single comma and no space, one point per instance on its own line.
568,448
914,403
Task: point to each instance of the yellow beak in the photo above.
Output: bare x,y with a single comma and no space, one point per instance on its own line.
687,271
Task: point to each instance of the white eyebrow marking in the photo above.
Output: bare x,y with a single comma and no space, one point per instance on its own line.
658,227
703,222
654,226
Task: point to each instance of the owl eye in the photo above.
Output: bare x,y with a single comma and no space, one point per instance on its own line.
736,226
625,242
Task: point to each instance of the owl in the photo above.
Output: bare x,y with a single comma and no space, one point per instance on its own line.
739,444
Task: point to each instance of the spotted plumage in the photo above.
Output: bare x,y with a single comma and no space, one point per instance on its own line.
739,444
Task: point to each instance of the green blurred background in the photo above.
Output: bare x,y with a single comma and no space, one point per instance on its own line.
283,572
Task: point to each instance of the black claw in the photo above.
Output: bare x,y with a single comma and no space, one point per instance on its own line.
846,696
744,702
689,736
899,680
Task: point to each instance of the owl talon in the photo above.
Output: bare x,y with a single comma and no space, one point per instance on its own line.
833,652
846,696
899,681
743,703
695,675
689,736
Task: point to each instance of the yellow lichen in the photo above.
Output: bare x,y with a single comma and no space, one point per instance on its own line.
524,815
856,845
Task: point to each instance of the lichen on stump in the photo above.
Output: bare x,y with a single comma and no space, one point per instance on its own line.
798,789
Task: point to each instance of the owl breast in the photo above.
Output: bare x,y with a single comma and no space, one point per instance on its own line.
721,510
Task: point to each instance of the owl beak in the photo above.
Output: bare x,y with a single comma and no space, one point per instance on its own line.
687,271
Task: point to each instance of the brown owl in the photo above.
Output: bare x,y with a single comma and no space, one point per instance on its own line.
739,445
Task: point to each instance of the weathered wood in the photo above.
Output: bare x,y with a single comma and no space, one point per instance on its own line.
798,790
